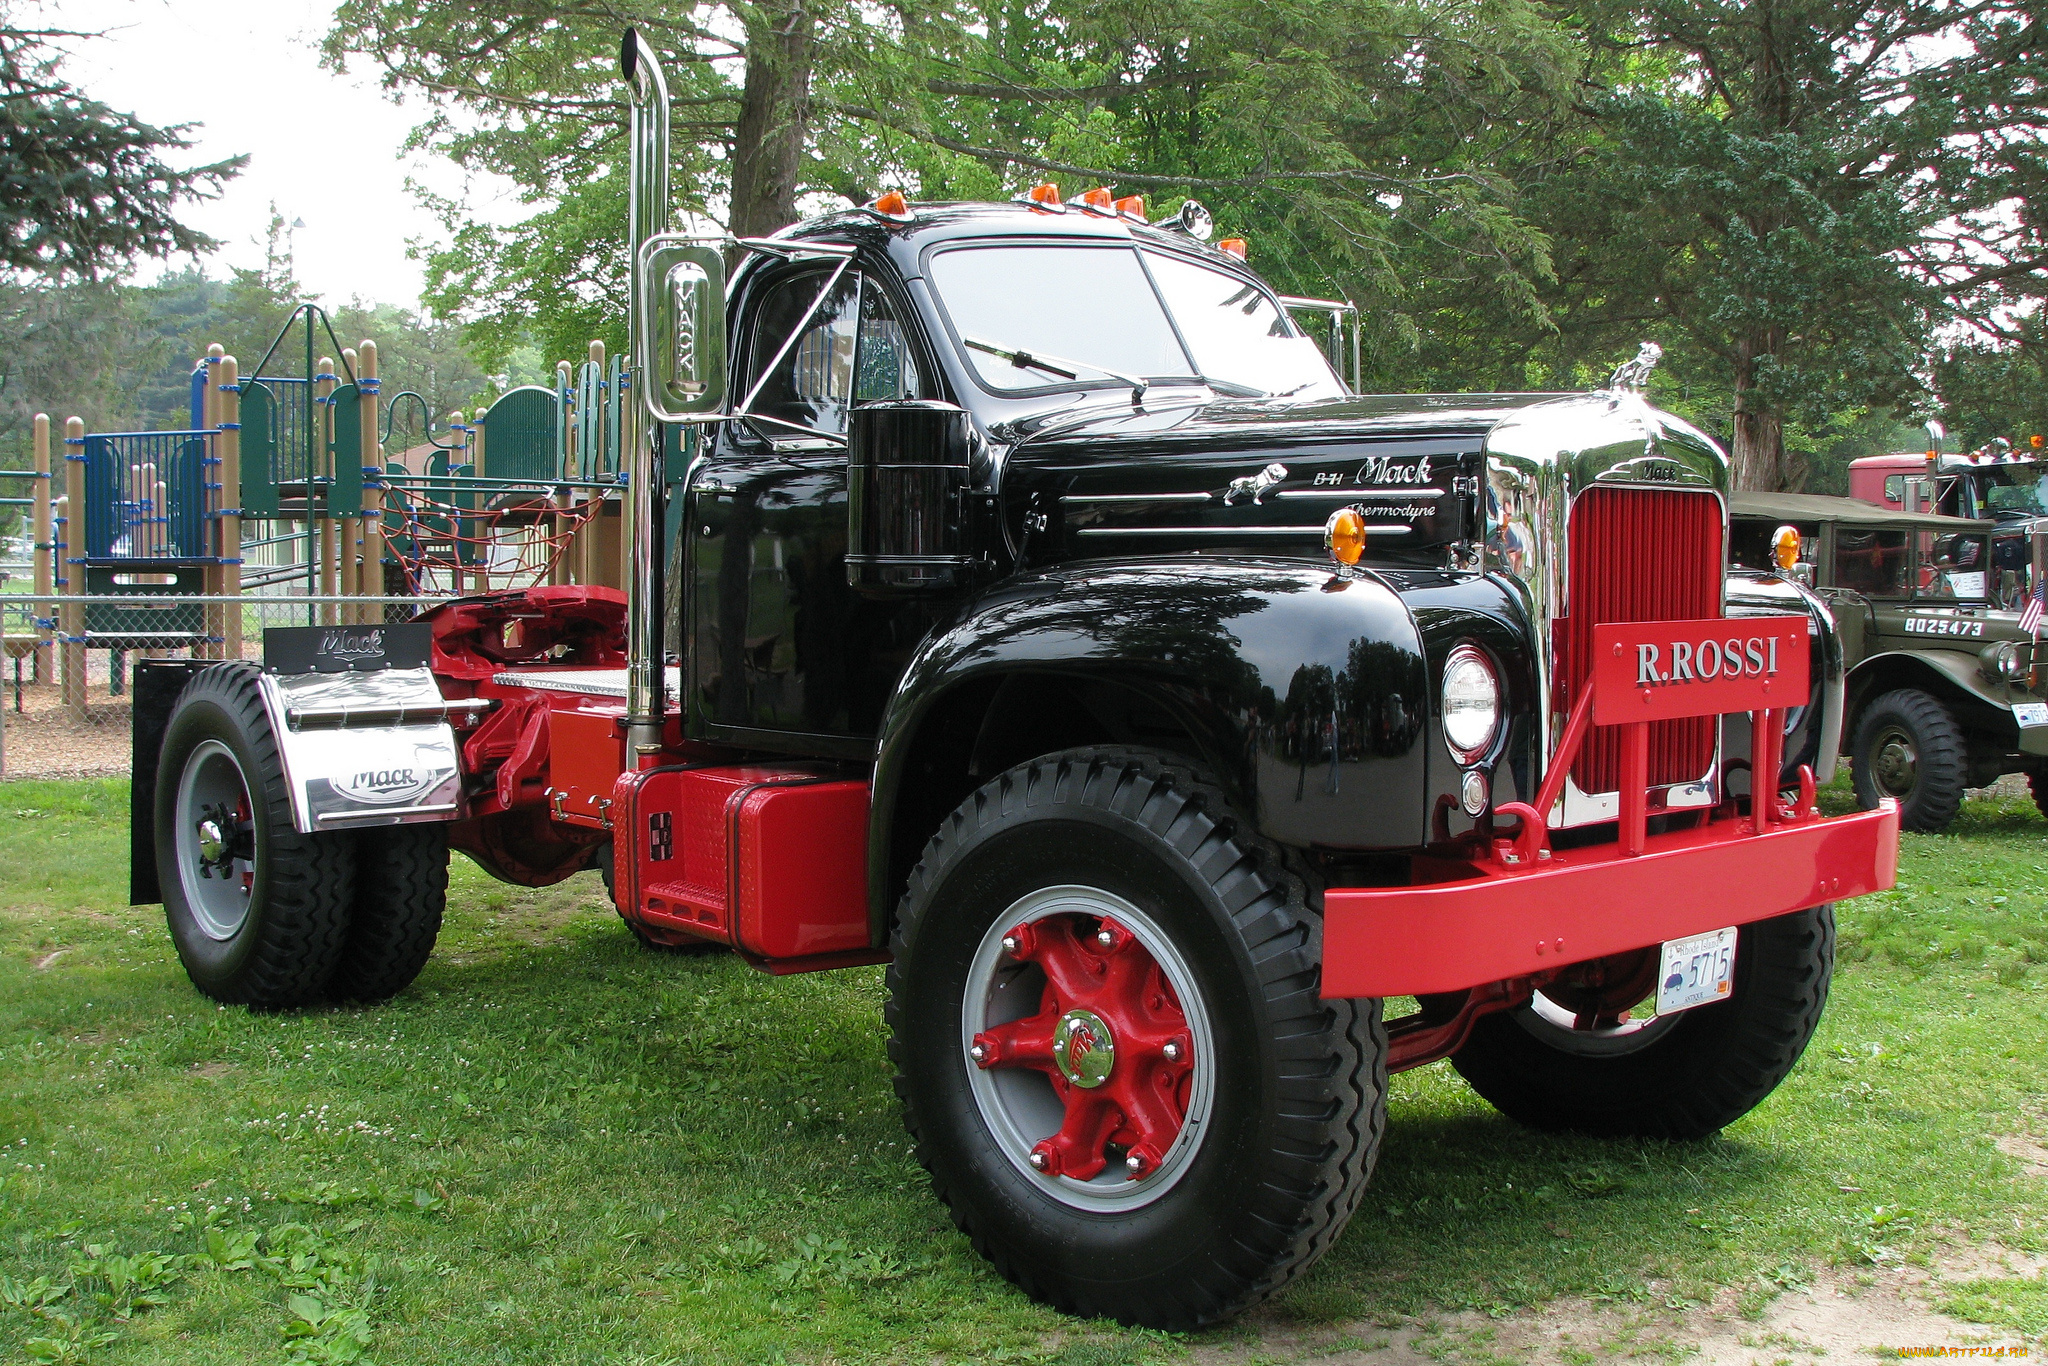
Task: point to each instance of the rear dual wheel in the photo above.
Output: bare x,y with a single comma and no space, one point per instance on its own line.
262,915
1110,1048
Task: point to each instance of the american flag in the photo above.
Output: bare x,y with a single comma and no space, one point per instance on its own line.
2037,602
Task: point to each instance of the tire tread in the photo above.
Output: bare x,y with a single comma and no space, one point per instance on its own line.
401,895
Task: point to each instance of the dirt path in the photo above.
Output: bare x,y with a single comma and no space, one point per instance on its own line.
1839,1318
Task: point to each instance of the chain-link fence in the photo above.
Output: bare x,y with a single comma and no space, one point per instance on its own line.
65,697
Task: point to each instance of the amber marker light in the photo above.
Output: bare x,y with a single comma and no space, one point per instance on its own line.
1344,536
1099,199
1132,206
892,205
1235,246
1785,548
2035,441
1045,196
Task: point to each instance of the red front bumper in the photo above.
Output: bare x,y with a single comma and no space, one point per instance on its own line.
1495,923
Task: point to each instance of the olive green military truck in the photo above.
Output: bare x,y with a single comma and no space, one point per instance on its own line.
1943,691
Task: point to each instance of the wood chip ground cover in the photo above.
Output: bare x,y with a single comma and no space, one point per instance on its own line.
559,1148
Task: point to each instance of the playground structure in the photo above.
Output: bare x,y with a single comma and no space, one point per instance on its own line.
279,488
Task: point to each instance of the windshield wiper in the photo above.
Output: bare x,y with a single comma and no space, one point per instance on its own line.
1054,365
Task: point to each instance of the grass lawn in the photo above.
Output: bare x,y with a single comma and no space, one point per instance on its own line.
558,1147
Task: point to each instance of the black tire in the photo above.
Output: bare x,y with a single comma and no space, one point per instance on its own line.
1298,1102
297,890
1682,1076
1909,747
2037,783
401,893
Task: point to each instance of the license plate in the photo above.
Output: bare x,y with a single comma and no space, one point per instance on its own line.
2030,713
1697,971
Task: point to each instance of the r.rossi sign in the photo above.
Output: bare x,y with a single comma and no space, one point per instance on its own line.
1662,670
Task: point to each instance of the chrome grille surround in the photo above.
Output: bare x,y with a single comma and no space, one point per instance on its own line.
1538,461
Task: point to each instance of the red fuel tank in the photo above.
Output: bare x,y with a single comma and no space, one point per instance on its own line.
770,859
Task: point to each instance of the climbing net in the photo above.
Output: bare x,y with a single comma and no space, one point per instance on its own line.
517,540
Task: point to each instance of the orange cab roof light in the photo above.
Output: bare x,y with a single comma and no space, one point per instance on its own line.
1131,206
1046,196
2035,441
1098,199
1235,246
892,205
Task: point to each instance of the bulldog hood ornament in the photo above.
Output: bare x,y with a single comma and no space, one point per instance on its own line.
1254,486
1633,376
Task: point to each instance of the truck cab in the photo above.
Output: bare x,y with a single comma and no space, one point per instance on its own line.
1998,484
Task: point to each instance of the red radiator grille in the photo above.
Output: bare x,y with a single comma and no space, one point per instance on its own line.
1639,555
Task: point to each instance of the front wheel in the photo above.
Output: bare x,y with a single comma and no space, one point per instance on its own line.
1110,1047
1908,747
1574,1059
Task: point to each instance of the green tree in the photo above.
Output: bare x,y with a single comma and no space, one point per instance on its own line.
1797,192
87,188
1993,387
1348,138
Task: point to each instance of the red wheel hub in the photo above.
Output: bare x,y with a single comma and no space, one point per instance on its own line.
245,837
1111,1037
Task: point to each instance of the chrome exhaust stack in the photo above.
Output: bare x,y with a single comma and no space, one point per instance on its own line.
647,217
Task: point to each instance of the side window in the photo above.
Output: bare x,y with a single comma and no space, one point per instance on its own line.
1871,562
885,367
810,386
1895,488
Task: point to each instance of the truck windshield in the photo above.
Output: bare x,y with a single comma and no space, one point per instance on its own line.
1953,567
1098,306
2020,490
1239,333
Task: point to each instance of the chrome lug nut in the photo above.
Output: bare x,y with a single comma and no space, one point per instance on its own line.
1171,1052
1037,1160
1009,943
978,1053
1134,1163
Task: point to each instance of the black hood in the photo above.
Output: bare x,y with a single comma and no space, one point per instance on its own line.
1250,474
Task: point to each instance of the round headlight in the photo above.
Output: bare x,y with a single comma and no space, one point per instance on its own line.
2006,661
1471,707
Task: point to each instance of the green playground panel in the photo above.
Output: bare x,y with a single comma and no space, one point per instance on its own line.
259,451
522,435
345,494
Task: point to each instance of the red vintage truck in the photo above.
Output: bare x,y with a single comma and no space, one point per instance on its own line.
1020,599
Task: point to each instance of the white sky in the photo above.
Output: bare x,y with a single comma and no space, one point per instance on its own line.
323,147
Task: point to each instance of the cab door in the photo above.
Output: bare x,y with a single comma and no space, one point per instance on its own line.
782,653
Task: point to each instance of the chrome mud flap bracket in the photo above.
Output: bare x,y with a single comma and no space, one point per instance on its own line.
370,748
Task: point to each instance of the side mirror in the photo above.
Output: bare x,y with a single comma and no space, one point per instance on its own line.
681,357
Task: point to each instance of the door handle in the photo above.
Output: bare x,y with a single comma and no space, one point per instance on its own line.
712,488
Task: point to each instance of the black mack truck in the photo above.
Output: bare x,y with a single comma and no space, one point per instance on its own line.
1022,600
